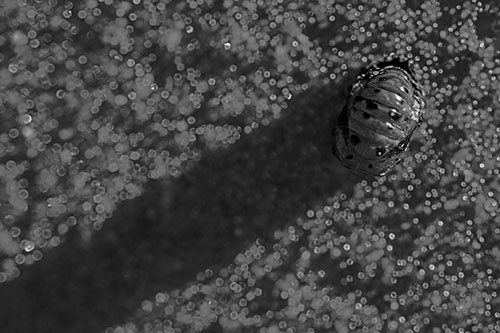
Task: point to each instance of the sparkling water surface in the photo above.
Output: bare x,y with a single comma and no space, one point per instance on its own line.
165,166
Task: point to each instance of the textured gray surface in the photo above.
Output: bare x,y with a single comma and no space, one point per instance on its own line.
214,152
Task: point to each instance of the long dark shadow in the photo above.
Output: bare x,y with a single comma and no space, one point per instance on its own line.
179,227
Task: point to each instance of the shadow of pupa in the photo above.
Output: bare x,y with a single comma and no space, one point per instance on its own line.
182,226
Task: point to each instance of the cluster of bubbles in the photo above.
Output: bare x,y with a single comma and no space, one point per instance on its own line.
415,251
97,97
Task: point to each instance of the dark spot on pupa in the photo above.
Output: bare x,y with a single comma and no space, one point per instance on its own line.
377,90
355,139
349,157
366,115
370,166
403,145
371,105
